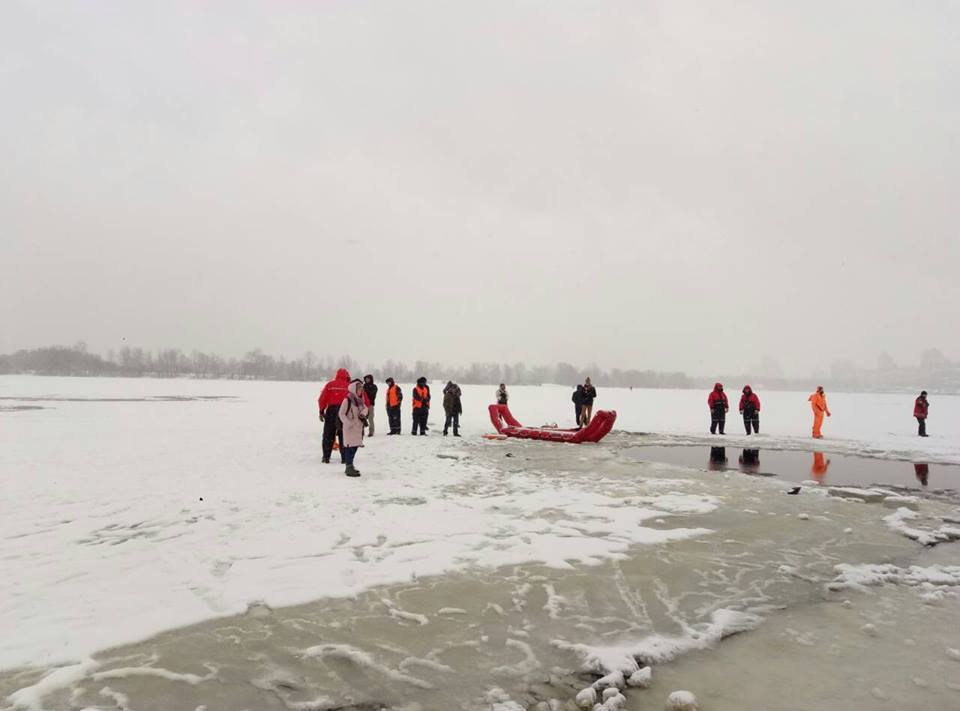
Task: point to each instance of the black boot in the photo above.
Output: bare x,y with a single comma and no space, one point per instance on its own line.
351,471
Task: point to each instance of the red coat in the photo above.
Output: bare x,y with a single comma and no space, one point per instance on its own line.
335,391
717,397
920,408
750,399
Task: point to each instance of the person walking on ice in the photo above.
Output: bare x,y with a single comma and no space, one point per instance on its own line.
719,405
818,403
452,408
920,409
370,390
750,409
353,418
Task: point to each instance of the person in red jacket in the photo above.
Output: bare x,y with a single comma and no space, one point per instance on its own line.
329,403
750,409
920,409
718,404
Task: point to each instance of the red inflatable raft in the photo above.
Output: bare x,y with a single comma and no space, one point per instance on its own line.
599,427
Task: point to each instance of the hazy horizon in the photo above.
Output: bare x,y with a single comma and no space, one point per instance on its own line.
651,185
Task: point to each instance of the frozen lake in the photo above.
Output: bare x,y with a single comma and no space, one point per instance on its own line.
177,544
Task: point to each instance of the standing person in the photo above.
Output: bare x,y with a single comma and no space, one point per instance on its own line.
578,405
370,390
353,419
719,405
452,408
421,406
394,398
920,409
329,403
502,395
818,403
750,409
589,395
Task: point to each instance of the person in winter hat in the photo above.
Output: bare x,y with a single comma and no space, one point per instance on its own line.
421,406
370,390
589,395
394,398
329,403
818,403
750,409
719,405
353,418
920,409
577,398
452,408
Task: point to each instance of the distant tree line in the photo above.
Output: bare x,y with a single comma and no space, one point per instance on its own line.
257,365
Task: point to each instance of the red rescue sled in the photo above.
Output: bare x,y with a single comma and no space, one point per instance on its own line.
599,427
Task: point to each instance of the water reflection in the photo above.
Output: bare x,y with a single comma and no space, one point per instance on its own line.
718,459
922,472
750,461
819,468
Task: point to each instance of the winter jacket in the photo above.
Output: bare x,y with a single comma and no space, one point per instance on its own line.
353,415
818,403
718,398
370,389
578,396
421,396
589,394
749,402
335,391
921,407
502,396
451,400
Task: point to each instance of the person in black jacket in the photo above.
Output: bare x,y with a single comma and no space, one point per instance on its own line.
589,394
452,408
370,388
578,404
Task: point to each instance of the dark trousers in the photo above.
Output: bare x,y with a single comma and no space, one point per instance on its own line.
393,415
348,454
751,419
923,426
420,415
331,430
454,419
579,410
718,418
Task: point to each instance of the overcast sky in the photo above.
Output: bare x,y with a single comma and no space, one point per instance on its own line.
670,185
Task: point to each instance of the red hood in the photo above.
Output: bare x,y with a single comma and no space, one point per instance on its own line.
747,390
717,386
343,374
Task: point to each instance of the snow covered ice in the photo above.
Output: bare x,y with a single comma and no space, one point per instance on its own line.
179,540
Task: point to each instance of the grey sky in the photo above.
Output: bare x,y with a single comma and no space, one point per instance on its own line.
671,185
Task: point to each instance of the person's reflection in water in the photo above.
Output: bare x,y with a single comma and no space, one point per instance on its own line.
750,461
922,470
718,459
819,468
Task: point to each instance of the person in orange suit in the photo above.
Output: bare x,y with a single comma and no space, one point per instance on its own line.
820,466
818,402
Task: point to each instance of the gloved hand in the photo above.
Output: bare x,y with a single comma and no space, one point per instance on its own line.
321,417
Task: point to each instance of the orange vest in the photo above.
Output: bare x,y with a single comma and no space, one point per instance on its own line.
418,401
392,399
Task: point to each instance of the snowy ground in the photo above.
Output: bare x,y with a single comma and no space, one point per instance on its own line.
135,506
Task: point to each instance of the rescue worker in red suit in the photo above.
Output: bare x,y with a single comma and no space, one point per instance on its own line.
750,409
920,409
329,403
718,404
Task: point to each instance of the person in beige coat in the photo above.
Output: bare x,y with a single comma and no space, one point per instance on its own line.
353,418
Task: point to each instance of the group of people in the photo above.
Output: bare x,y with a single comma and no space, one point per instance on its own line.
719,405
583,398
